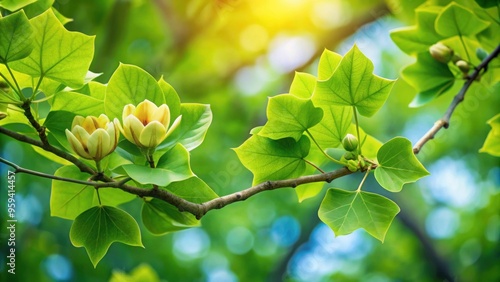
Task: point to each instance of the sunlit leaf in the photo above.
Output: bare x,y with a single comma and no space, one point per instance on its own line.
192,189
143,272
271,159
289,116
160,217
345,211
492,143
14,5
398,165
328,63
458,20
67,63
303,85
171,98
99,227
86,106
354,84
16,37
333,127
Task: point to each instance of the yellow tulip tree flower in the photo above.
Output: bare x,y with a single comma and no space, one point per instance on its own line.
147,125
93,137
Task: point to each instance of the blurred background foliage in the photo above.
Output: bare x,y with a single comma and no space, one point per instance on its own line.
233,54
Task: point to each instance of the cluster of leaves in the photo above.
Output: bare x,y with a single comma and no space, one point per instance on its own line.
469,29
306,128
46,67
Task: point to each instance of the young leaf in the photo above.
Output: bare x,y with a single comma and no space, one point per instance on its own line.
398,165
99,227
289,116
271,159
192,189
328,63
58,54
86,106
333,127
130,85
492,143
171,167
303,85
16,37
345,211
160,217
354,84
458,20
417,39
68,200
196,118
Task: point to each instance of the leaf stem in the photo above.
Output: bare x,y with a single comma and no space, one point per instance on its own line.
98,196
363,180
323,151
11,86
357,129
465,48
15,82
315,166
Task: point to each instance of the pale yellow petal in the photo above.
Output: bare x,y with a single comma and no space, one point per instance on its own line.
89,124
99,144
132,129
102,121
144,111
76,145
162,114
81,134
176,124
128,110
77,120
153,134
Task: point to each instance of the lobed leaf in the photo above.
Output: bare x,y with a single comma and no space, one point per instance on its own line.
333,127
455,19
16,37
192,189
492,143
328,63
303,85
345,211
99,227
398,165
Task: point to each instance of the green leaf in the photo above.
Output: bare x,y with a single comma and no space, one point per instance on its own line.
333,127
429,77
303,85
143,272
289,116
271,159
196,118
68,200
398,165
99,227
16,37
160,217
418,38
86,105
14,5
458,20
192,189
171,98
487,3
328,63
345,211
492,143
354,84
130,85
67,63
57,122
171,167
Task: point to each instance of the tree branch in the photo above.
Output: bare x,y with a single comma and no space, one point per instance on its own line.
444,122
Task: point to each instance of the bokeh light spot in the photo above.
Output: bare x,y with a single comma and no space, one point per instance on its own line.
239,240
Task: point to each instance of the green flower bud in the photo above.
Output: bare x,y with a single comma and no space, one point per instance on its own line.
463,66
3,115
441,52
350,143
352,165
349,156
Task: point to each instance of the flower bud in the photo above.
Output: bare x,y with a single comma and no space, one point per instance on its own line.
147,125
350,142
463,66
349,156
352,165
3,115
92,137
441,52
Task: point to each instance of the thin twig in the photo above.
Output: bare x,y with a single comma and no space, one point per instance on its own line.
445,120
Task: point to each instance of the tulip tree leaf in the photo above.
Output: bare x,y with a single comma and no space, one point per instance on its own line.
429,77
328,63
354,84
14,5
418,38
68,200
398,165
171,98
99,227
289,116
345,211
458,20
143,272
160,217
303,85
86,106
492,143
171,167
58,54
196,118
333,127
192,189
271,159
130,85
16,37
